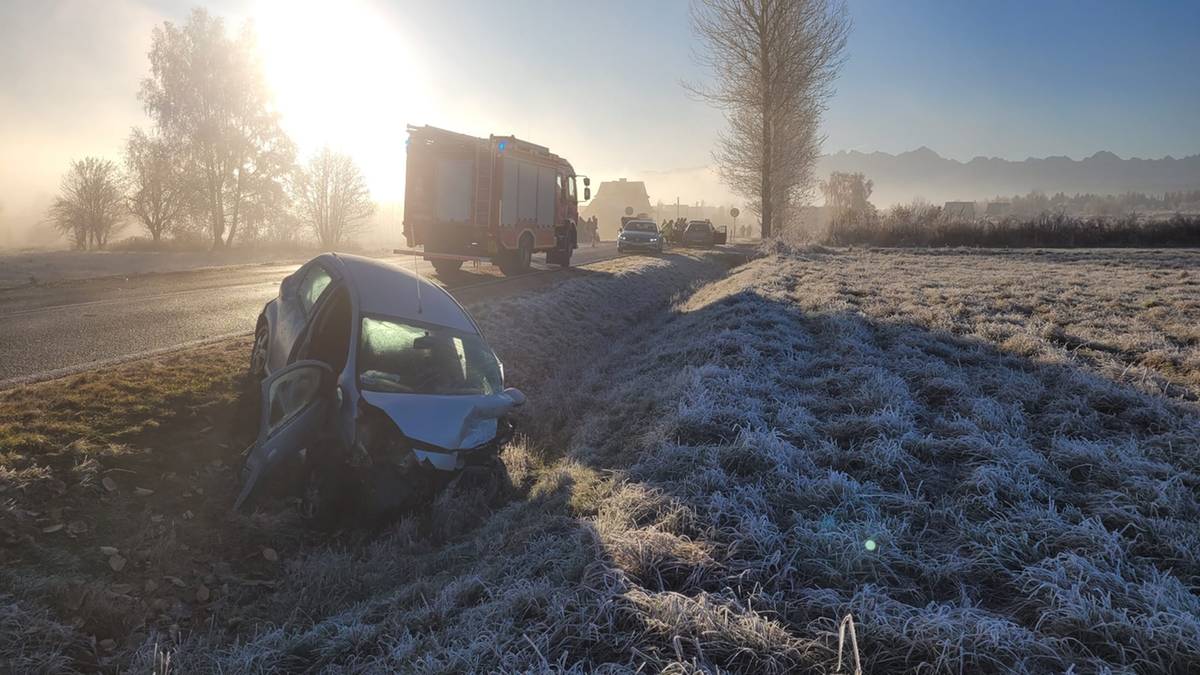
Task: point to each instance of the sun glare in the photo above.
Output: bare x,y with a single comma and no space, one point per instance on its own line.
342,76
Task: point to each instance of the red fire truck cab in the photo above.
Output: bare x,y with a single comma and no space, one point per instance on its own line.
498,198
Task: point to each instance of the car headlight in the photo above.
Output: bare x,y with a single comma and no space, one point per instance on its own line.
653,239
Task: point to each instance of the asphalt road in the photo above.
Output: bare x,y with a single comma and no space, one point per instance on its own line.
55,330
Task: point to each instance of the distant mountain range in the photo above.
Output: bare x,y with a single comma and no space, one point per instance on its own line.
924,173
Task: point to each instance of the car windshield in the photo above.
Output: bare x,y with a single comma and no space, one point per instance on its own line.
697,227
401,357
638,226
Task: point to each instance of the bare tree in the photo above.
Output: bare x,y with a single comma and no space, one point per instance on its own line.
847,196
773,64
332,197
207,93
159,190
847,192
91,203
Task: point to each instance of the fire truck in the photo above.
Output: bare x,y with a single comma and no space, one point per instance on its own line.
497,198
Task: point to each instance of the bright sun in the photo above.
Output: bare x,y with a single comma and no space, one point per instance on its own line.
342,77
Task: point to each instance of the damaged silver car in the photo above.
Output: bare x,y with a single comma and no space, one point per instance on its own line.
377,390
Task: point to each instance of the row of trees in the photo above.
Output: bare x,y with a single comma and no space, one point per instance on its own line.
923,224
1088,204
1034,220
215,159
773,64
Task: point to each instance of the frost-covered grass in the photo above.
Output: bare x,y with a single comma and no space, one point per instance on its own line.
989,460
195,587
1030,501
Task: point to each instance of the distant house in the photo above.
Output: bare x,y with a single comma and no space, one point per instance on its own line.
959,210
998,208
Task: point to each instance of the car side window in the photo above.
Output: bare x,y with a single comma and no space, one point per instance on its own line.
312,286
290,394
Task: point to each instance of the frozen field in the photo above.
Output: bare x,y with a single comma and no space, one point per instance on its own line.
989,460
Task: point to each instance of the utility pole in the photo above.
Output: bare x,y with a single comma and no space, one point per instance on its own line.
677,208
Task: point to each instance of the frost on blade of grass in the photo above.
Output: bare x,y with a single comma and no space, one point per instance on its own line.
32,641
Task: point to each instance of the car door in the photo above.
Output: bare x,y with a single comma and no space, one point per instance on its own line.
297,297
296,402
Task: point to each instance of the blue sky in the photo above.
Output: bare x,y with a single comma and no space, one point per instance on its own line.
599,81
1009,79
1017,79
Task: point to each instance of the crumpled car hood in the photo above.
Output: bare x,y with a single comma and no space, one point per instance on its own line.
449,422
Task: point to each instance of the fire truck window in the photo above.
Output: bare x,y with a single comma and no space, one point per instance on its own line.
545,197
508,198
571,187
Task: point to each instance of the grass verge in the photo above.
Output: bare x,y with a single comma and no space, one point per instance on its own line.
118,544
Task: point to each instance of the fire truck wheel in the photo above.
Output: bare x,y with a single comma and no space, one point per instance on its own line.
516,262
524,254
444,267
563,258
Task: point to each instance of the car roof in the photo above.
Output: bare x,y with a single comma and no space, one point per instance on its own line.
390,290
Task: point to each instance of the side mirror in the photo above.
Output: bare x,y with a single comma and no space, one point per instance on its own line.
586,181
587,193
515,394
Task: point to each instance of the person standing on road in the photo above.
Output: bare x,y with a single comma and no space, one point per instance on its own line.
595,231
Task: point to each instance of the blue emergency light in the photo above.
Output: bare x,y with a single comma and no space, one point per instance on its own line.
501,145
